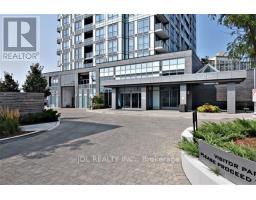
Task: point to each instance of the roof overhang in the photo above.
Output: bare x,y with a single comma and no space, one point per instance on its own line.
200,78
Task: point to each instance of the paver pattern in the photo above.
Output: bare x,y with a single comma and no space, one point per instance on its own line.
99,148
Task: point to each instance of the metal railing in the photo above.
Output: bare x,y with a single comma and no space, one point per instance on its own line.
88,55
161,44
88,65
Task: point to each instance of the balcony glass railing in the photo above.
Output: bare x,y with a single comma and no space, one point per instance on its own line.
161,44
84,81
89,55
160,26
87,65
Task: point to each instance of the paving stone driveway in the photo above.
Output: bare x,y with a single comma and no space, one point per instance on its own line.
98,148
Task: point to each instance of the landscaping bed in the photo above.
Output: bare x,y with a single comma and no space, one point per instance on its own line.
236,136
10,121
225,149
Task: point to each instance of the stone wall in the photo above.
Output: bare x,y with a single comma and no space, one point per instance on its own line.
24,102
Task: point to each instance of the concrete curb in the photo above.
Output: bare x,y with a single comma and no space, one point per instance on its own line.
27,135
197,172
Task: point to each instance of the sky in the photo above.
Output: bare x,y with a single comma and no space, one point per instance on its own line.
211,38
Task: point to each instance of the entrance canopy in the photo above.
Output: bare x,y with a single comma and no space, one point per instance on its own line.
222,77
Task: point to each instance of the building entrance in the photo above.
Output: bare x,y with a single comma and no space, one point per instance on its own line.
169,97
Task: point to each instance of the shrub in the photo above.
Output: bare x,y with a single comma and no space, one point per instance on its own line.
208,108
7,113
98,102
224,135
98,99
8,127
190,147
42,117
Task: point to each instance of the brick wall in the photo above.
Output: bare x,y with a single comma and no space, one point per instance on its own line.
25,102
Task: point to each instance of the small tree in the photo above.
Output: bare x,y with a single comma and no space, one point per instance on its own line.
35,82
243,27
8,84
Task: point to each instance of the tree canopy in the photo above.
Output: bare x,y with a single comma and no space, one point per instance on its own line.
35,81
9,84
243,27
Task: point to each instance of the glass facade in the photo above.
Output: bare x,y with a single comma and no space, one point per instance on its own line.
112,30
143,70
99,18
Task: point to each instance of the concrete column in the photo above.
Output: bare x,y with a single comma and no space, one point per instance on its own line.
97,73
59,93
144,98
113,96
76,91
231,98
183,94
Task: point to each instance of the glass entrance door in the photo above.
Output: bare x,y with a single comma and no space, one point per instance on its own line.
131,100
170,97
127,100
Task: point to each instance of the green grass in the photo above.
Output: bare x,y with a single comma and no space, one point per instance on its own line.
223,135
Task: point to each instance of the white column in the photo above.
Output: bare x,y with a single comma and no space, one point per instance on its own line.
144,98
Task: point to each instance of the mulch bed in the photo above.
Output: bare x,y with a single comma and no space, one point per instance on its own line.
248,142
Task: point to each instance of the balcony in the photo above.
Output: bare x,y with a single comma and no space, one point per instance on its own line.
161,31
79,30
59,29
88,41
78,17
163,18
161,47
84,81
59,64
88,56
59,40
87,15
86,65
58,52
88,27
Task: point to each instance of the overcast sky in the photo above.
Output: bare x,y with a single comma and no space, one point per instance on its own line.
211,38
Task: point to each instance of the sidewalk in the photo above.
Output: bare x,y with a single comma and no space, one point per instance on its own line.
66,112
39,127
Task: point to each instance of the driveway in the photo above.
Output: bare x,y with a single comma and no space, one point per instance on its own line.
112,147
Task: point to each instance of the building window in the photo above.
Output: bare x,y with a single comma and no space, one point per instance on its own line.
78,65
107,72
66,66
99,18
66,58
78,25
112,46
66,20
112,16
78,39
100,33
100,48
143,41
131,44
78,53
66,45
143,25
173,66
99,60
112,30
131,28
112,58
65,33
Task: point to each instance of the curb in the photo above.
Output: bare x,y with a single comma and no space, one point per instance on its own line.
197,172
27,135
